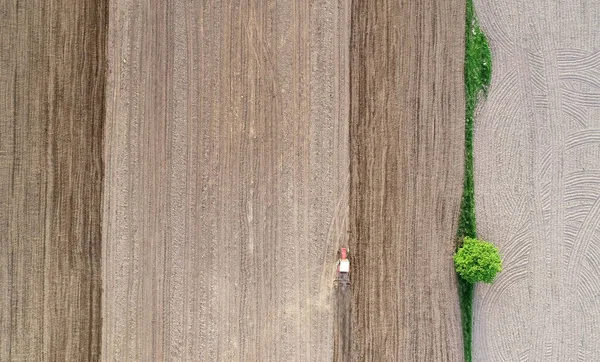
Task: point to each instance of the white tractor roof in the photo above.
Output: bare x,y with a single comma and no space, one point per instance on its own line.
344,266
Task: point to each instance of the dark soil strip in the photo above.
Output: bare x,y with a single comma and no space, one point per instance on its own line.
407,158
343,325
52,67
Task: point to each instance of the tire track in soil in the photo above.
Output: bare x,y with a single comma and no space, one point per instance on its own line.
52,72
342,341
406,149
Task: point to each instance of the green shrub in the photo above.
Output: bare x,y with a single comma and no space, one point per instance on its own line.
477,261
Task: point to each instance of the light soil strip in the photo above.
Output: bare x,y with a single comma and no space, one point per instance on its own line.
226,179
537,170
407,163
52,65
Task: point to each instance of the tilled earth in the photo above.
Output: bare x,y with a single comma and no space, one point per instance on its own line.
182,196
407,151
537,169
52,65
226,179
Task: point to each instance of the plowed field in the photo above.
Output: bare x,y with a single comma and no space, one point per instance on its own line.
226,179
407,152
52,65
177,176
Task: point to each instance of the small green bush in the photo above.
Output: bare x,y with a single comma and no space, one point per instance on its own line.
477,261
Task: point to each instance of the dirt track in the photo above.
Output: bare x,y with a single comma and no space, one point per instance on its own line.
227,178
406,142
537,146
51,124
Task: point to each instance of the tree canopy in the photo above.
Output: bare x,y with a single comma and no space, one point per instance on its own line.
477,261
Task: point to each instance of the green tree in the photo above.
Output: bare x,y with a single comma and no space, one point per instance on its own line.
477,261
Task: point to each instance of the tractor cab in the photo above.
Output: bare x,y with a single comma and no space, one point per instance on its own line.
343,262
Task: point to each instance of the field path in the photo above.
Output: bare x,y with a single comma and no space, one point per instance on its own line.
537,170
226,191
407,165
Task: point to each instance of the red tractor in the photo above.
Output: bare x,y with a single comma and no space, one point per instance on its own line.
343,268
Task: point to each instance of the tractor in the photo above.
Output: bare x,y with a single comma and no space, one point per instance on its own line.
343,268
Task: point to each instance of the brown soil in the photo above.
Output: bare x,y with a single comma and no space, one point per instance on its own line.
342,343
52,65
228,185
226,179
406,145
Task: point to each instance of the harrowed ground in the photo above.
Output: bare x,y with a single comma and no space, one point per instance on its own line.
537,179
226,179
178,176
